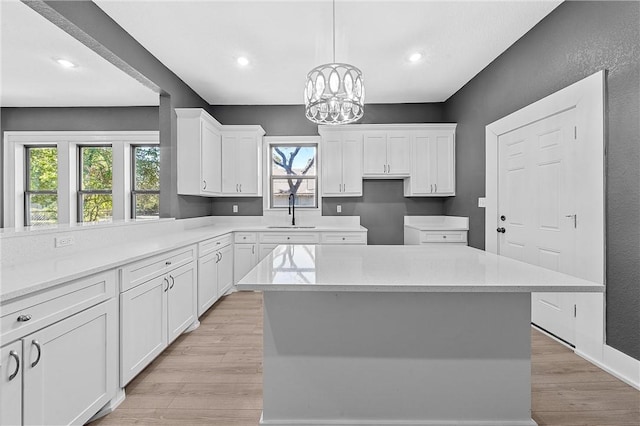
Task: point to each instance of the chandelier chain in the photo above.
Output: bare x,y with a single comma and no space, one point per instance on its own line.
334,31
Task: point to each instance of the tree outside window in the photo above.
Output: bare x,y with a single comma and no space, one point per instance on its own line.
41,188
294,171
145,192
95,198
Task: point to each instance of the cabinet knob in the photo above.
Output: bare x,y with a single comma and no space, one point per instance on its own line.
501,230
24,318
168,262
288,238
343,238
444,236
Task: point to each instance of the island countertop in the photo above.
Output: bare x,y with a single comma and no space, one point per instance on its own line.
403,269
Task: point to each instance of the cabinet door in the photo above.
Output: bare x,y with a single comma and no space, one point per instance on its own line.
225,270
352,165
11,367
332,166
246,165
398,154
420,181
210,159
181,301
207,281
444,172
265,249
244,258
70,367
375,153
229,183
143,326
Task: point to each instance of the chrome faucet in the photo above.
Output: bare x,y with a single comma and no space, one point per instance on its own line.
292,207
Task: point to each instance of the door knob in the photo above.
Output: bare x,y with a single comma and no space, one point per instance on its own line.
501,230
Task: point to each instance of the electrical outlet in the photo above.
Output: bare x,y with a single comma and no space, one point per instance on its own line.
339,208
482,202
235,208
63,241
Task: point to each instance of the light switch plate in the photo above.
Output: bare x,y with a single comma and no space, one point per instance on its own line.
339,208
235,208
482,202
63,241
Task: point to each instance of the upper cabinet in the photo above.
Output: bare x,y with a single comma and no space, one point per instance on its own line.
341,163
433,171
216,160
386,154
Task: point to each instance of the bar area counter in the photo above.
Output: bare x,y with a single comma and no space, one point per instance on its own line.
398,335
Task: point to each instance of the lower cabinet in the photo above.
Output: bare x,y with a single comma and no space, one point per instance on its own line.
245,254
215,271
63,373
154,313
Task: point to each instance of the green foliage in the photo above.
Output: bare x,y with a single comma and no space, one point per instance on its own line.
147,178
43,168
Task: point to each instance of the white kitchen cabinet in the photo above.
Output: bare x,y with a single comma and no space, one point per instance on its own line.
11,367
158,303
337,237
341,164
386,154
434,230
215,270
242,161
432,163
70,367
199,153
245,254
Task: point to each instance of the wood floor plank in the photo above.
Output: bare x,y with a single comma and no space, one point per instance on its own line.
213,376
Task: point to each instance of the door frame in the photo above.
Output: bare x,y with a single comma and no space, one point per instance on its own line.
587,97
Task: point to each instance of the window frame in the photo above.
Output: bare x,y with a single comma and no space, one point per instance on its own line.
134,191
270,141
80,192
27,182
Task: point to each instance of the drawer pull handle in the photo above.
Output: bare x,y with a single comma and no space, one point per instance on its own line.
15,356
444,236
218,243
24,318
168,262
343,238
288,238
37,345
167,281
173,281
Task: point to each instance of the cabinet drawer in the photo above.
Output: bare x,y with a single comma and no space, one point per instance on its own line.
53,305
245,237
289,238
443,237
143,270
344,238
213,244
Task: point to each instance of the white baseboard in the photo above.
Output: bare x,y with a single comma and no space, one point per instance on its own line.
193,326
617,364
367,422
110,406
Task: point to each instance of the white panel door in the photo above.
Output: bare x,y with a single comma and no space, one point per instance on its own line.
210,159
352,164
76,356
398,154
143,326
244,258
536,200
11,367
332,165
375,153
207,281
181,300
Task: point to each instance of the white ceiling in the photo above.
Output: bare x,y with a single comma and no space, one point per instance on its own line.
30,77
201,40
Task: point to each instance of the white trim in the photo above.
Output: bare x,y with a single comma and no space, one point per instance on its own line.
67,142
617,364
267,141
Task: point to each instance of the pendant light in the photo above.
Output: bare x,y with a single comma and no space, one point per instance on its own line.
334,93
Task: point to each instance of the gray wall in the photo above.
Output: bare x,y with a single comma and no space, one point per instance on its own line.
574,41
382,206
87,21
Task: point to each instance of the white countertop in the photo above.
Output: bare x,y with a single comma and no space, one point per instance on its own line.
437,223
32,276
403,269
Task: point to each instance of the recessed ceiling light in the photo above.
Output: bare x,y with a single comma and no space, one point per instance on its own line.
65,63
243,61
415,57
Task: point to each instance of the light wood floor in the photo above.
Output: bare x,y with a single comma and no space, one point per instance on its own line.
213,376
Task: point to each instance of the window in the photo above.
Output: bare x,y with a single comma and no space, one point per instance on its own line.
293,171
41,186
95,199
145,188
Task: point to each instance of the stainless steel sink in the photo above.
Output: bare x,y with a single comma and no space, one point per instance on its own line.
290,227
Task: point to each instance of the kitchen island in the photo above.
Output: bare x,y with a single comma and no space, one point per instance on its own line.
398,335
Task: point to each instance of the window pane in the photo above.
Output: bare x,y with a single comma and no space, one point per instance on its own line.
43,169
42,208
304,189
97,167
293,160
97,207
147,168
147,206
